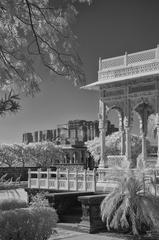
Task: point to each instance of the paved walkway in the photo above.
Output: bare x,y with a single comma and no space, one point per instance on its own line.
74,235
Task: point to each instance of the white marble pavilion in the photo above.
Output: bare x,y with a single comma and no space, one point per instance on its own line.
128,83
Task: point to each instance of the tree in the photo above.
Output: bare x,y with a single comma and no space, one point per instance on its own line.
36,31
7,158
44,154
9,103
20,154
113,146
128,208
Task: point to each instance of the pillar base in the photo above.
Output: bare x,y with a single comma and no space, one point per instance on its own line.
101,166
103,162
101,174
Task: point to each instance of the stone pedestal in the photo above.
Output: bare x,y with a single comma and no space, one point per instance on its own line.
91,221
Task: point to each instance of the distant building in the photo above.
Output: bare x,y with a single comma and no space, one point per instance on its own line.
71,137
74,132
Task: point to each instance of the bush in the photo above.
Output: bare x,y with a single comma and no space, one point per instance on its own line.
39,200
130,208
27,223
8,204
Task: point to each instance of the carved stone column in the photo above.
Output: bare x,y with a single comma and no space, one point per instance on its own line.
157,120
144,152
144,110
127,139
71,157
143,139
102,129
122,133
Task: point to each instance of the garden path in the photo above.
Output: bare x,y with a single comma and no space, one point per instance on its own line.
74,235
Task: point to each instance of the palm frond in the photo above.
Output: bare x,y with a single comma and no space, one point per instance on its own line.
118,222
106,204
150,212
123,220
132,215
109,206
130,208
143,220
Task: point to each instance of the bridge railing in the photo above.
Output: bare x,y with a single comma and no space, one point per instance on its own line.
63,180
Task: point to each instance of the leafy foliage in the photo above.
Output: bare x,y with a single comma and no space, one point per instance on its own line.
34,154
28,223
129,209
7,157
8,204
44,154
39,200
113,146
34,31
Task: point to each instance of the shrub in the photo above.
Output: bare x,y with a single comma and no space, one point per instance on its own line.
27,223
39,200
128,208
8,204
113,146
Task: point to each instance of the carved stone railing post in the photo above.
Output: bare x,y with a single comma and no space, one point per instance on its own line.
29,178
126,59
157,51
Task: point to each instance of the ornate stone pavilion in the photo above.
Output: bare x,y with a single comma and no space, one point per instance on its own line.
128,84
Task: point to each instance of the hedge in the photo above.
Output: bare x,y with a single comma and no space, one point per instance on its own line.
8,204
27,223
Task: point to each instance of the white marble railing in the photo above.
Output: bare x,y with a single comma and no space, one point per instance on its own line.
111,177
129,59
115,161
63,180
127,65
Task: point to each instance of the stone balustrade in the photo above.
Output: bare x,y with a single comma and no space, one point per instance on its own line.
64,180
117,161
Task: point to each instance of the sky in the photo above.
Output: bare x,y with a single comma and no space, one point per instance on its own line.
106,28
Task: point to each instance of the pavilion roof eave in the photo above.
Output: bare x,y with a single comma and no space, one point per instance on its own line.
96,85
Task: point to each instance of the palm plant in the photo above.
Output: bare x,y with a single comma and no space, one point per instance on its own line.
129,208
